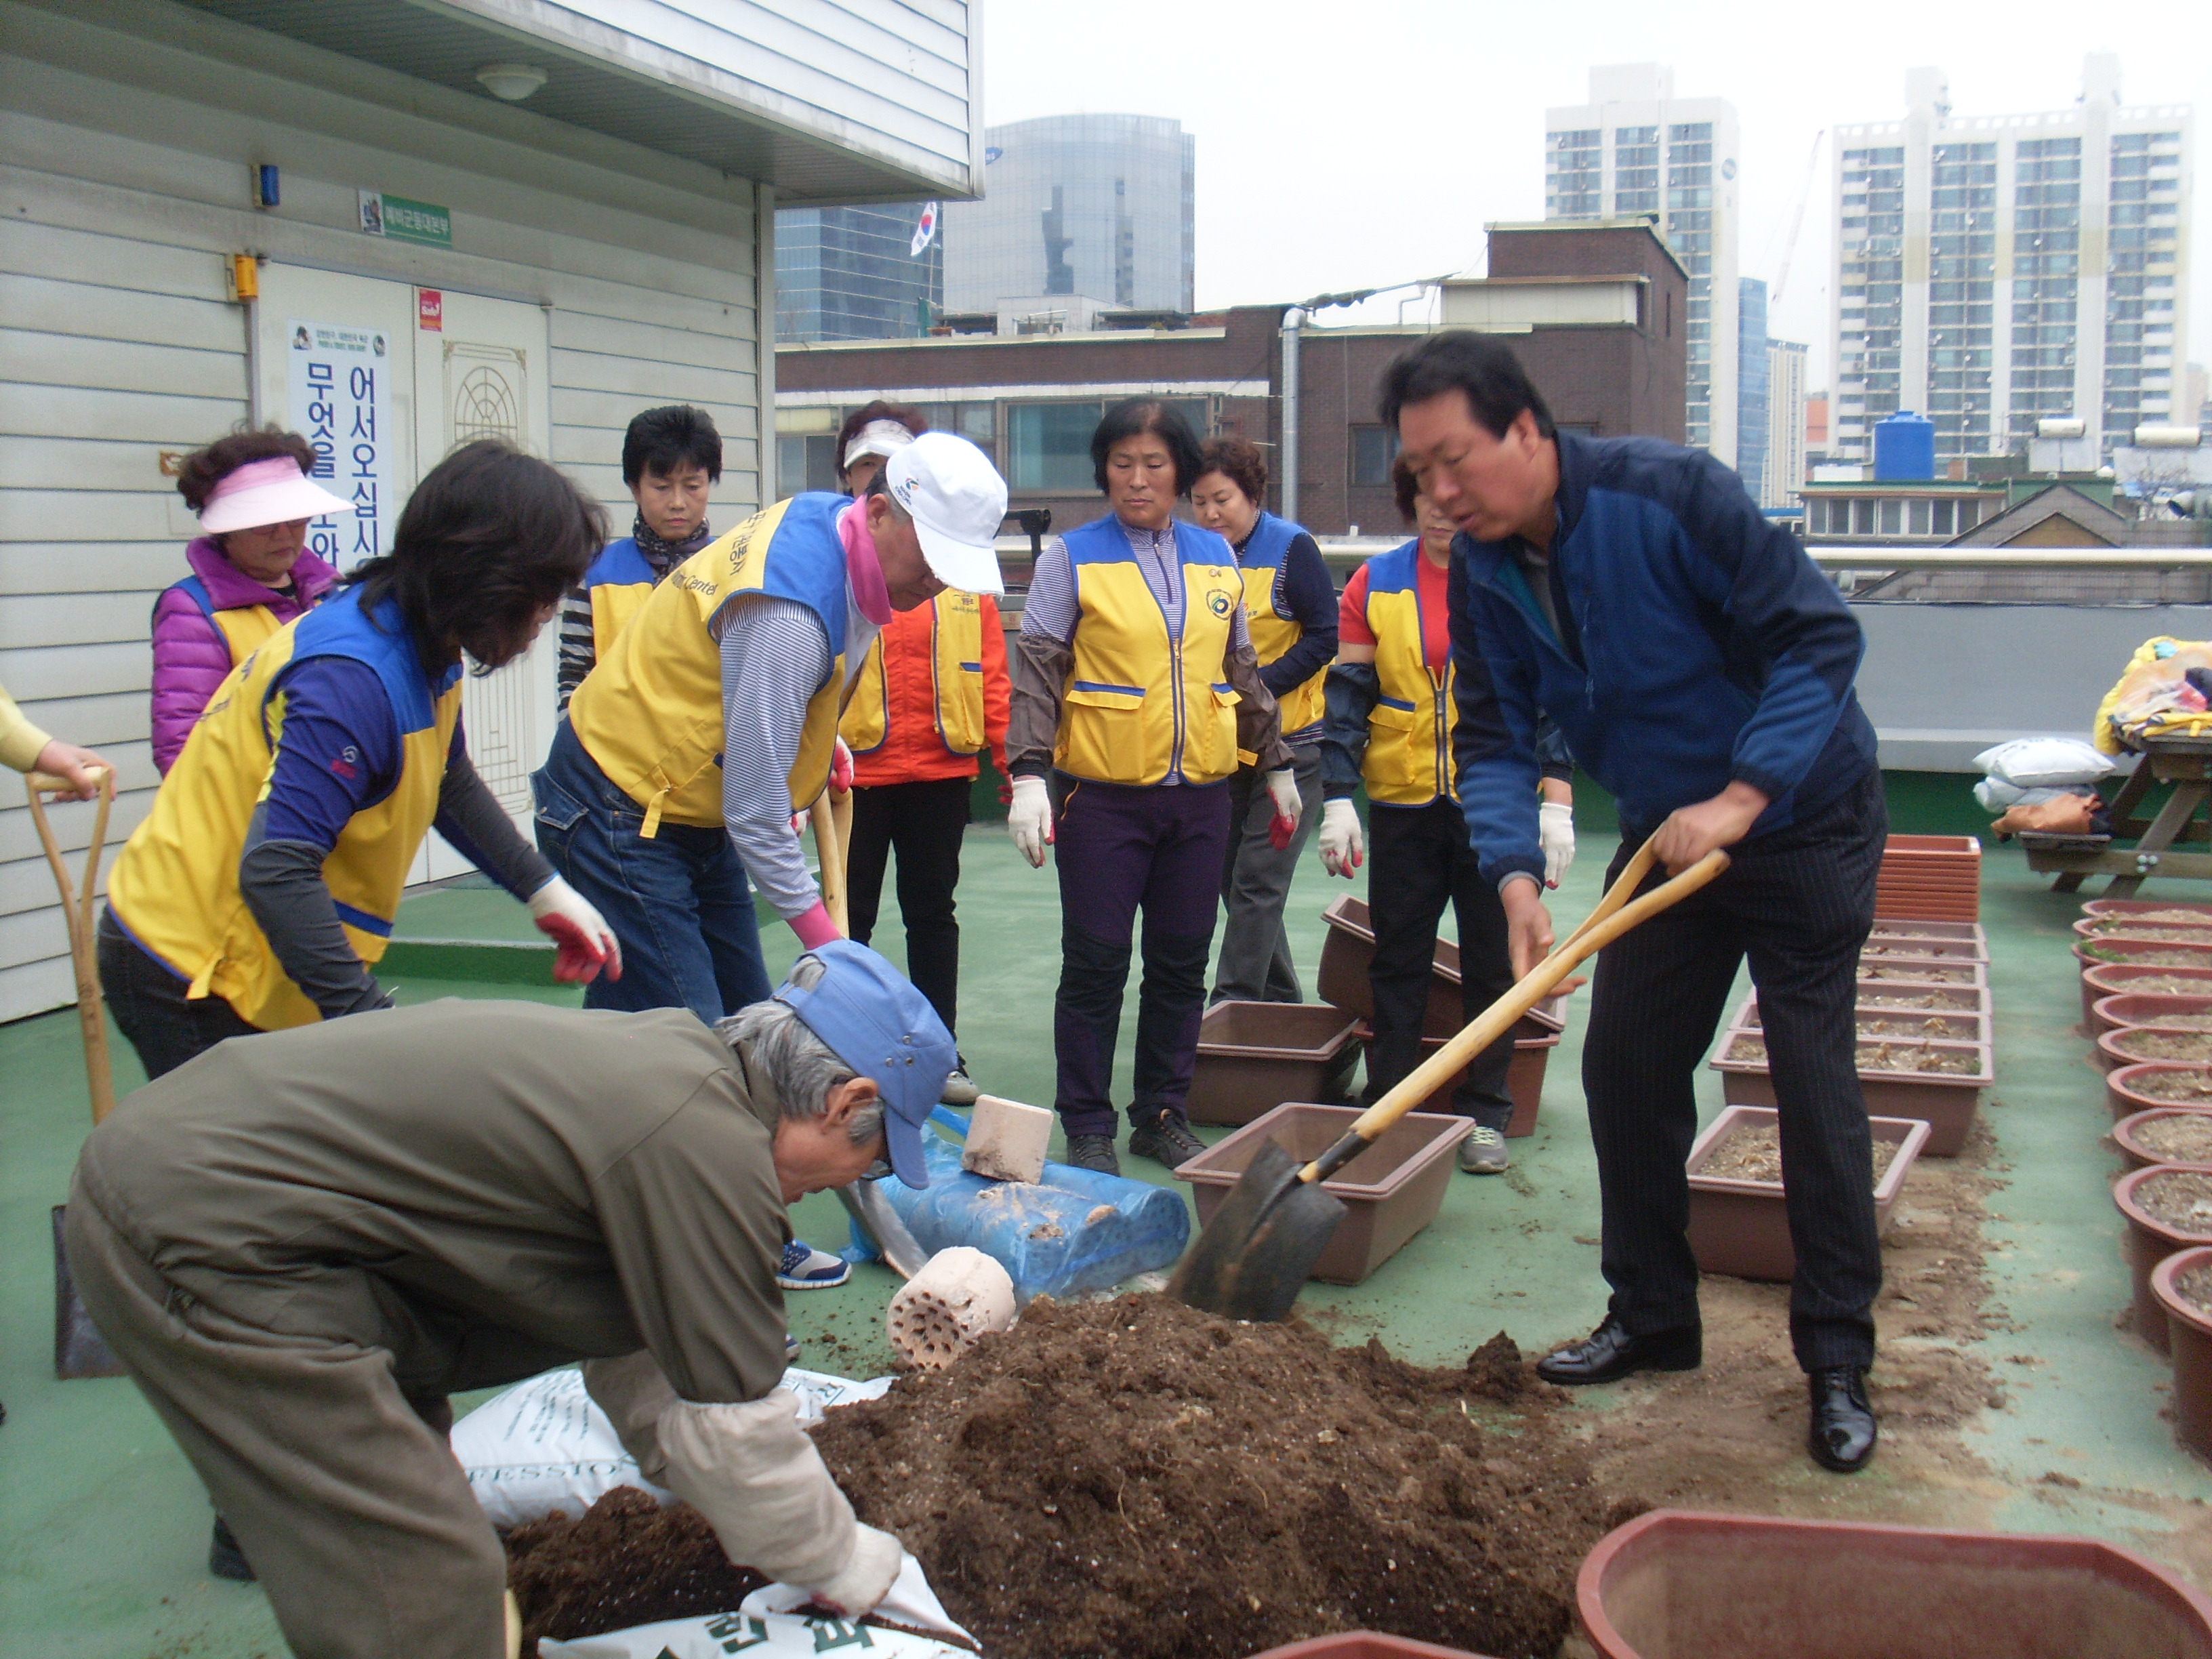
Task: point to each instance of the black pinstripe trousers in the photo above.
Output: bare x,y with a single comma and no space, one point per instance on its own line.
1799,903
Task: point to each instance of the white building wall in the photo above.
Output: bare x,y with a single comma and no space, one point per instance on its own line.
1785,422
126,171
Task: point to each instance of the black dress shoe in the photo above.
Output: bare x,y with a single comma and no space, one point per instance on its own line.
1843,1432
1609,1354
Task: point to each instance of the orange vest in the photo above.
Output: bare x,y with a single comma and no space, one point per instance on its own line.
904,724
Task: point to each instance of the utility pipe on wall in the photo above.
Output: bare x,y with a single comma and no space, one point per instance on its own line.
1293,320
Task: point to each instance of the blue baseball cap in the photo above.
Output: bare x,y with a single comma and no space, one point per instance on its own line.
877,1024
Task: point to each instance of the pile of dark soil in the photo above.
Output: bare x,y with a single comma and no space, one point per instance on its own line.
1137,1479
625,1561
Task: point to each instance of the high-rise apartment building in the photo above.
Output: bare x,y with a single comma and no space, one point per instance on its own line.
1751,385
1635,148
1785,422
1993,271
851,273
1100,207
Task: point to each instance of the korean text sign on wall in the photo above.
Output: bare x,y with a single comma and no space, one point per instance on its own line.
341,402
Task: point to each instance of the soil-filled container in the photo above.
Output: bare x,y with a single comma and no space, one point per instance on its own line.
1524,1078
1888,927
1674,1585
2183,1284
2168,1207
1923,950
1347,956
1894,970
1897,1024
1738,1225
1390,1191
2156,1083
2154,911
1941,1084
2166,1134
1879,998
1253,1056
2094,953
2134,1045
2127,927
2111,979
1364,1644
2162,1010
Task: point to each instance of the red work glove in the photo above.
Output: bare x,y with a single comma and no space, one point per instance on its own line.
1283,791
587,943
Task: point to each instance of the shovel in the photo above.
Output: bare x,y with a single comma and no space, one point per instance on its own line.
79,1350
1254,1256
832,820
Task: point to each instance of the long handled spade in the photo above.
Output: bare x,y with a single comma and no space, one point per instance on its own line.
79,1350
1254,1256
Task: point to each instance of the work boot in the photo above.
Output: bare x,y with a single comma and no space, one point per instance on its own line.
1842,1434
1168,1140
225,1558
1095,1153
1483,1152
959,1089
805,1268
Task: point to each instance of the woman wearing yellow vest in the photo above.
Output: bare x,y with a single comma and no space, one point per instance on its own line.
1135,682
1290,605
253,570
261,889
1391,711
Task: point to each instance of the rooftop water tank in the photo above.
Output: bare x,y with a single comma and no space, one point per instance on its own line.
1904,447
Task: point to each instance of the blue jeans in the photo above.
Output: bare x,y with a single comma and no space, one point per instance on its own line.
679,904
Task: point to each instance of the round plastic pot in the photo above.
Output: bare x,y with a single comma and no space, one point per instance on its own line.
2126,1134
2145,907
2155,1009
2130,951
2096,927
1364,1644
1672,1584
2120,1046
2189,1339
2125,1098
2150,1241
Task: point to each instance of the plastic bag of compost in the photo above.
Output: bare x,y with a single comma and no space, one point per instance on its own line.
2053,762
545,1444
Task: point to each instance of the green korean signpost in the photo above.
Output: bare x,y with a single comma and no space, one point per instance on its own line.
406,221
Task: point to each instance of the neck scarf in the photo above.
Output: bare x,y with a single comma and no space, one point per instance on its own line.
663,556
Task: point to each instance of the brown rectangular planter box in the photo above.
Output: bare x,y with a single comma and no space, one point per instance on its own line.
1930,877
1892,970
1390,1191
1678,1584
1945,1101
1253,1056
1740,1228
1923,949
1970,933
1928,1024
1876,997
1524,1078
1348,955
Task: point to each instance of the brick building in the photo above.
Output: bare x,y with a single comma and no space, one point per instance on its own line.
1597,313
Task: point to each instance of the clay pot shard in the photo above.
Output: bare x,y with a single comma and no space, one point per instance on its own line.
959,1296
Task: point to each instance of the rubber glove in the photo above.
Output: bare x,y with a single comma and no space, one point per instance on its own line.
840,767
1283,791
1030,819
585,942
800,819
1343,849
909,1604
1555,829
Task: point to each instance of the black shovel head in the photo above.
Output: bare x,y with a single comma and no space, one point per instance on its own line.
1252,1259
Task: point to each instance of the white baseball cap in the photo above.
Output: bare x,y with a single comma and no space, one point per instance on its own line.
957,500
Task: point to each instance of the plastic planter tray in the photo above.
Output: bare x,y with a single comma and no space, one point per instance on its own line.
2139,1156
2145,907
1253,1056
2189,1339
1918,927
2121,927
1740,1228
1364,1644
1923,950
1347,956
1876,997
2115,951
1390,1191
1955,1025
1899,970
2149,1242
1524,1078
2117,1048
2150,1008
2108,979
1672,1584
1945,1103
2124,1099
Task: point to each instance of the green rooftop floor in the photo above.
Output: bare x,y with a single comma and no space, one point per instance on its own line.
103,1529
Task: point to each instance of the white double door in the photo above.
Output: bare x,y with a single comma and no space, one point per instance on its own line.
480,372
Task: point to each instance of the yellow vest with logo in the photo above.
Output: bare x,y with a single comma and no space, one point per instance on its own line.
1142,704
1409,744
244,629
650,712
175,888
1274,633
618,584
956,667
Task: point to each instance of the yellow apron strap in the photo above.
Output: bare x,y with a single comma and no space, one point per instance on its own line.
650,827
202,980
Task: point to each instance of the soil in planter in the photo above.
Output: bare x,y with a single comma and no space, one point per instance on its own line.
1753,1152
1887,999
1955,1028
2150,958
2177,1140
624,1561
2194,1287
1926,948
2149,1043
2166,985
1940,973
2179,1199
2112,929
2177,918
2193,1087
1883,1057
1136,1478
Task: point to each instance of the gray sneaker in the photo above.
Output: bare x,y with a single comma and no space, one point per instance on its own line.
1483,1151
959,1089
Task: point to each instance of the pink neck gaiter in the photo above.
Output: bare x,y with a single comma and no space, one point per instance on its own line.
862,569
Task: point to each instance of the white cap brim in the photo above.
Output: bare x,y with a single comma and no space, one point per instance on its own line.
283,502
960,564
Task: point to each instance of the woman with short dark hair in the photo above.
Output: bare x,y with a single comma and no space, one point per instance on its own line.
264,886
1135,686
1290,606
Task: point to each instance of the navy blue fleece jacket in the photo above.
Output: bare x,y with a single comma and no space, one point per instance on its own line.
1702,647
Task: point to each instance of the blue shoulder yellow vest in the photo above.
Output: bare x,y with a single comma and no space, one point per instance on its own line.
1273,632
956,669
175,888
1143,703
1409,745
650,712
618,584
244,628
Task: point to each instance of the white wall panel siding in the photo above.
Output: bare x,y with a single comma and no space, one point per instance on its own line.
124,193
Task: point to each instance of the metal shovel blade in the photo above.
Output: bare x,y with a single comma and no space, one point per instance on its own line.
1255,1253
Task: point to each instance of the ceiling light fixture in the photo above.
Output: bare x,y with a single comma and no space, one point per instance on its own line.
511,82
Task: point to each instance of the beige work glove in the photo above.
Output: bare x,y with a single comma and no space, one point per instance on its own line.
1029,819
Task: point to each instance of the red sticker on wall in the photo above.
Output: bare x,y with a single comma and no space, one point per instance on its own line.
430,310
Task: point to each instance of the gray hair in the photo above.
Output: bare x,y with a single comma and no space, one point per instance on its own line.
798,1066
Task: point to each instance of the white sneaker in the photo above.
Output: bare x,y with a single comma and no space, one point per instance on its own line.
805,1268
1483,1151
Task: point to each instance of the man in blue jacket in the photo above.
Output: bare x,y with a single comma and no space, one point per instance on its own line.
1700,668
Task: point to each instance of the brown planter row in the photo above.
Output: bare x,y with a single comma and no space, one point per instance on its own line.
2153,1009
1741,1228
2124,1045
2124,1099
2102,980
1930,877
2150,1241
1347,956
2127,1133
1946,1104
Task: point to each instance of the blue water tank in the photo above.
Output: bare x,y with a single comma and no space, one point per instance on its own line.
1904,446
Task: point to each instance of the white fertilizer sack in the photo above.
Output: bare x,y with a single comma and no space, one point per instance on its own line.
1996,794
2045,762
757,1635
544,1445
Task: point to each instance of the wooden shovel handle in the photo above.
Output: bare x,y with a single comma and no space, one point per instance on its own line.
832,819
1612,918
77,900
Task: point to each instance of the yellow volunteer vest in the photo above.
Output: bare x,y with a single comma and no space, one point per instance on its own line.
1409,742
175,888
650,712
244,629
1141,703
956,671
617,583
1273,633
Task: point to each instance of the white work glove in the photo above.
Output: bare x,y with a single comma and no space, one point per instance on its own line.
1030,819
1555,829
585,942
1343,849
1283,791
841,767
753,1471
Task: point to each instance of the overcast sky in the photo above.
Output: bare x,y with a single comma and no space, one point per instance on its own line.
1349,145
